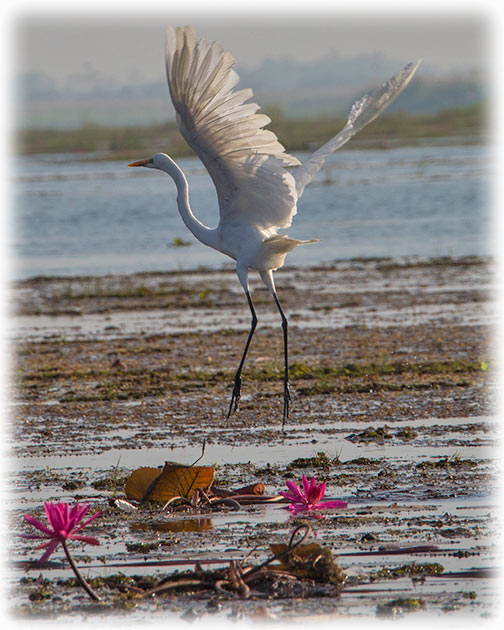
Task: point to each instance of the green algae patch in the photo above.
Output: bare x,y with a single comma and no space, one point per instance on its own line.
119,371
399,606
320,460
447,463
406,570
407,433
371,435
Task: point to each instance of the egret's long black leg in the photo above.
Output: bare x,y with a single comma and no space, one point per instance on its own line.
287,396
235,397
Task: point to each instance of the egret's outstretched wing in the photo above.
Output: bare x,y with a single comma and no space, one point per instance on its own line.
363,111
245,161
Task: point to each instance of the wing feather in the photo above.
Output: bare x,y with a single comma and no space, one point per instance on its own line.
246,162
363,111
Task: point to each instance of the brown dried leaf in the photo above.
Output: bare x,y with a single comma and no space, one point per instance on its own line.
172,481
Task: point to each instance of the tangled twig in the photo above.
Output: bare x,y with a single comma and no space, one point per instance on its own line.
292,545
239,578
236,579
200,497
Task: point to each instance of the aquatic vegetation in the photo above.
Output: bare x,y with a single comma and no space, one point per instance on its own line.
310,561
63,526
180,242
448,462
407,433
320,460
399,606
310,498
371,435
412,569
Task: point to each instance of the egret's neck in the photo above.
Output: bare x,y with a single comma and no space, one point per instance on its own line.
199,229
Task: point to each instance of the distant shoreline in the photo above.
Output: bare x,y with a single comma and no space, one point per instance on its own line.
463,125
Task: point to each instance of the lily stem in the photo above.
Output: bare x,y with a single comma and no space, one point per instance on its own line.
78,575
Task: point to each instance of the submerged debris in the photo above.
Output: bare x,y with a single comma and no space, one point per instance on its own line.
399,606
311,562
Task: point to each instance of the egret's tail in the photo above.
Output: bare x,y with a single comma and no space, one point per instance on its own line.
283,243
312,240
277,246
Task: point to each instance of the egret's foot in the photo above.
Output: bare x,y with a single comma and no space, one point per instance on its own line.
286,405
235,396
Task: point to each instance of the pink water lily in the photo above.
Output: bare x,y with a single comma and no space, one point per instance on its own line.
310,498
63,525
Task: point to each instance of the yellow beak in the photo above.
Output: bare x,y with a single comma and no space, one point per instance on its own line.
141,162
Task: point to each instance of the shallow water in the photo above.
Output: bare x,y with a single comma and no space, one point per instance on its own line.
339,286
82,217
302,441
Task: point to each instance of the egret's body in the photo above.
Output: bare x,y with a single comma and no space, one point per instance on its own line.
257,194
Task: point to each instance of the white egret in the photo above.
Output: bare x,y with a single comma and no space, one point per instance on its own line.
257,194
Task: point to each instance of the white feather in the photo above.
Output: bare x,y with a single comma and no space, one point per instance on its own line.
245,161
363,111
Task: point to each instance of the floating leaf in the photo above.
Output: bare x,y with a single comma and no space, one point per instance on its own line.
173,480
139,480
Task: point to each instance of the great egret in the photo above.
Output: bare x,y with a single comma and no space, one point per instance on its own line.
247,164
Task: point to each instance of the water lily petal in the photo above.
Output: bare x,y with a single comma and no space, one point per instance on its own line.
76,515
53,516
306,485
300,497
44,545
293,487
36,523
289,496
64,515
51,547
298,507
91,518
316,493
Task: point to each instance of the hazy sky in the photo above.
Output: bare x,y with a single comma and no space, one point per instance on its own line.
131,48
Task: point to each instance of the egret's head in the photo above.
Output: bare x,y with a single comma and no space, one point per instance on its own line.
160,161
149,163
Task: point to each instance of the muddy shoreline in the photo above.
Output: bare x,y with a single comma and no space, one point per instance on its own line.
392,379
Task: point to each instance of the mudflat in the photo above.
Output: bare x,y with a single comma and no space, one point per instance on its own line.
392,373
